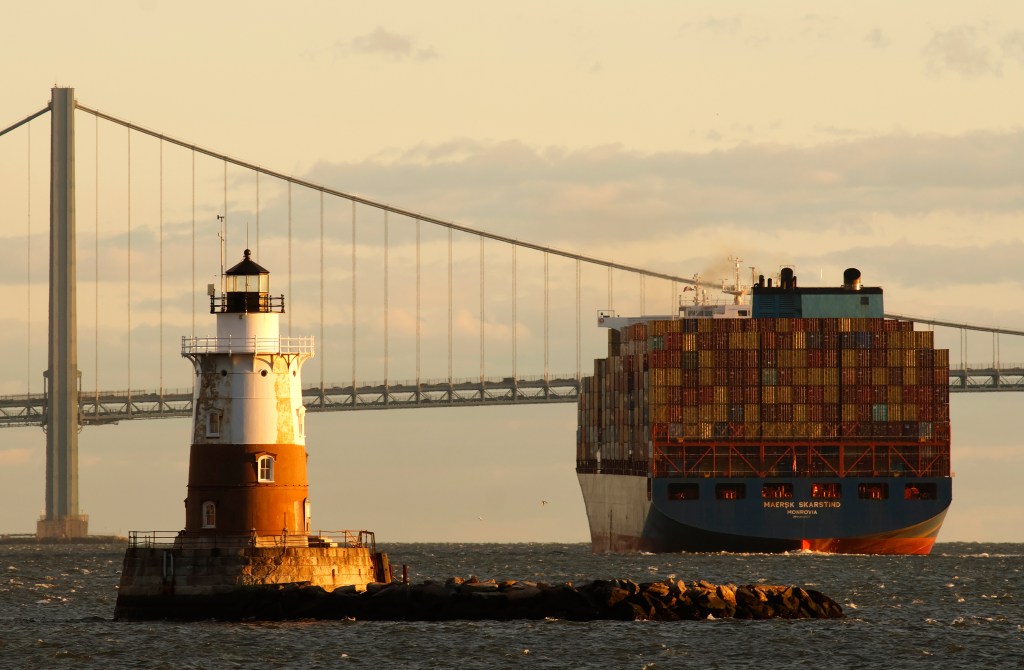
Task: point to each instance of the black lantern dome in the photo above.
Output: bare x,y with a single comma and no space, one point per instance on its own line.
247,288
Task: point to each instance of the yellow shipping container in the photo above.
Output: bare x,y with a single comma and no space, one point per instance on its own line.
721,412
659,413
910,376
910,411
800,376
658,377
706,413
784,394
799,356
894,358
815,376
799,340
752,413
706,358
721,395
690,414
798,429
659,395
768,395
673,376
800,412
849,412
785,358
689,342
815,429
831,377
895,411
879,376
849,357
895,393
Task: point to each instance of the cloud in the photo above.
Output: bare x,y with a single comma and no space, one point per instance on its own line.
876,39
382,42
962,50
540,192
1013,46
729,25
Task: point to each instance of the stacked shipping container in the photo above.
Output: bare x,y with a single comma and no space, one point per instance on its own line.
685,386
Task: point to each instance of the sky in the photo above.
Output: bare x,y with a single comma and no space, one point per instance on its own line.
664,135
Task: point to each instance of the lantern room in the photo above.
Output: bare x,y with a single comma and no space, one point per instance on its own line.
246,289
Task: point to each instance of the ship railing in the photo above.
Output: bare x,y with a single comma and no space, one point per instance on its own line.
165,539
848,459
192,346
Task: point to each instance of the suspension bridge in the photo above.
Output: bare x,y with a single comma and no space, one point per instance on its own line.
465,316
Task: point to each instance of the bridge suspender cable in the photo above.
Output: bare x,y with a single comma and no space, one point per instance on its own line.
28,266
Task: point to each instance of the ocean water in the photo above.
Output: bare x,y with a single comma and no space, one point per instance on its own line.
959,607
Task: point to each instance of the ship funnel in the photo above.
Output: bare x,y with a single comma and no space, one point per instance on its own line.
786,278
851,279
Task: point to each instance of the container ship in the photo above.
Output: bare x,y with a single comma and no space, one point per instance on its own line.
802,420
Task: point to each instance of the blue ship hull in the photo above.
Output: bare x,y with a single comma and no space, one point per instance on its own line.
704,522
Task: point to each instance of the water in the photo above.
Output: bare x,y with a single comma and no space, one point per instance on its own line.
959,607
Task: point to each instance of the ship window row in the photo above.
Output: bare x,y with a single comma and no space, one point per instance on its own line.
819,491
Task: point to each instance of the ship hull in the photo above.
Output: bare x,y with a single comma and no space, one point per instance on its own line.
635,513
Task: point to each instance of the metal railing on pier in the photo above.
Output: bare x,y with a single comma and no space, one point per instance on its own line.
167,539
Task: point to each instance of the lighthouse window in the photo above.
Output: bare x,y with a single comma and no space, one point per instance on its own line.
213,424
209,514
265,468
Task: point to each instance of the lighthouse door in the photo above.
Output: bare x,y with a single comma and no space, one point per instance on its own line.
307,506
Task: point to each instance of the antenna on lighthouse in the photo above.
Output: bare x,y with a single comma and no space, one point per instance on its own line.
222,236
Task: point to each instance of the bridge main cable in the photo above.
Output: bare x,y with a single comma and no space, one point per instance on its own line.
388,208
954,324
28,118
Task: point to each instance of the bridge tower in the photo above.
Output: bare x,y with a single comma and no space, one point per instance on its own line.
247,465
62,520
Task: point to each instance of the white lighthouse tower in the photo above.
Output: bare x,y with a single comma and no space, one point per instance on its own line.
247,519
247,466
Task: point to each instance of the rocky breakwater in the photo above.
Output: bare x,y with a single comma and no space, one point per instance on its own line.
472,599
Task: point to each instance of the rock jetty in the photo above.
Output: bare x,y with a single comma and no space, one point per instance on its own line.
472,599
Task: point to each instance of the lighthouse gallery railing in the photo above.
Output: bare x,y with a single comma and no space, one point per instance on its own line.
191,346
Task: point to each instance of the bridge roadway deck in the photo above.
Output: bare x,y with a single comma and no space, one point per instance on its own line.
114,406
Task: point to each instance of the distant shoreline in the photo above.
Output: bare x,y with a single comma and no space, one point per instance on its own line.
89,539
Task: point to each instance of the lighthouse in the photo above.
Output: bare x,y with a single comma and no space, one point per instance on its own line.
247,510
247,464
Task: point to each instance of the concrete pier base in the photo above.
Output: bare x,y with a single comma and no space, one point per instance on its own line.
170,582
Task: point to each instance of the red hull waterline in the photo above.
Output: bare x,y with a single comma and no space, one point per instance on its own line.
914,540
